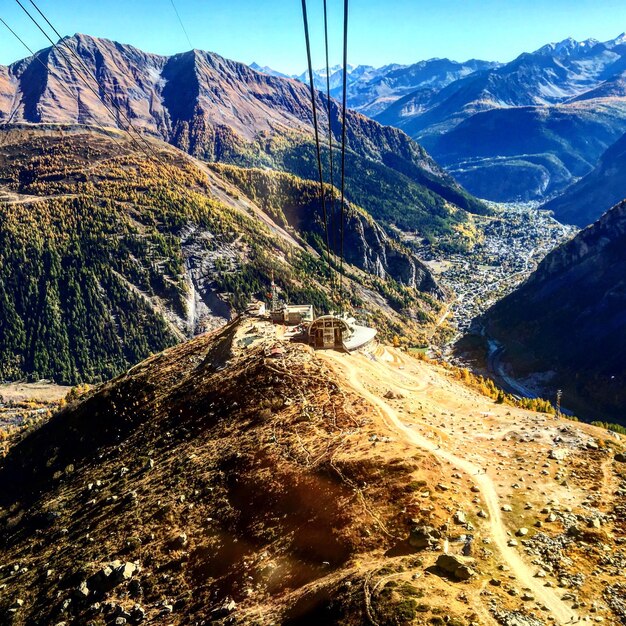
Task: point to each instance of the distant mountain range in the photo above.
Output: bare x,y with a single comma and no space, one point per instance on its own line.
523,130
569,320
371,90
526,129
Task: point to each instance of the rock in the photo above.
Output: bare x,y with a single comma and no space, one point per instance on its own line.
443,487
620,457
517,619
512,543
482,514
180,541
393,395
458,566
507,508
111,575
138,614
16,606
475,489
495,582
124,572
551,518
558,454
423,537
459,517
224,609
82,592
574,531
522,532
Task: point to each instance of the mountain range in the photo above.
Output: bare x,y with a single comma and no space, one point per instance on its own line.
371,90
219,110
107,256
222,473
523,130
526,129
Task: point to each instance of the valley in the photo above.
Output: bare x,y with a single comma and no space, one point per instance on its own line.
510,244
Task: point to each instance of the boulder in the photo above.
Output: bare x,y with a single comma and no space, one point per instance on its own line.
457,566
16,606
620,457
111,575
81,593
558,454
393,395
138,614
224,609
179,541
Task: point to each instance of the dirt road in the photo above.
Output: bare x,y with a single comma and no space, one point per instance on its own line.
364,372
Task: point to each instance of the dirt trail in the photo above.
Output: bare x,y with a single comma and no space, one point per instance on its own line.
360,372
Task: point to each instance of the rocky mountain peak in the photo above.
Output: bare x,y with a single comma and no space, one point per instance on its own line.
568,47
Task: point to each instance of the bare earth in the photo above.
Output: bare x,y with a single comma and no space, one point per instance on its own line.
500,451
43,392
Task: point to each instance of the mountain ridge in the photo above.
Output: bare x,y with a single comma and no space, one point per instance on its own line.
127,255
588,198
568,79
221,110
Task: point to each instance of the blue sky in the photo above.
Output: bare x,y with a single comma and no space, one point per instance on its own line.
270,31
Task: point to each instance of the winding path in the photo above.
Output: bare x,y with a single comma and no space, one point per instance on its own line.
358,368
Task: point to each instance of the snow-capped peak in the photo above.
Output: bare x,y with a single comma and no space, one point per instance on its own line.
567,47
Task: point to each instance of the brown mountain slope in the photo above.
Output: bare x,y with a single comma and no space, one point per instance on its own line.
220,110
290,485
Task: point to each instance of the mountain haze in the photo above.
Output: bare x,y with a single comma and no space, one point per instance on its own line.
372,90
